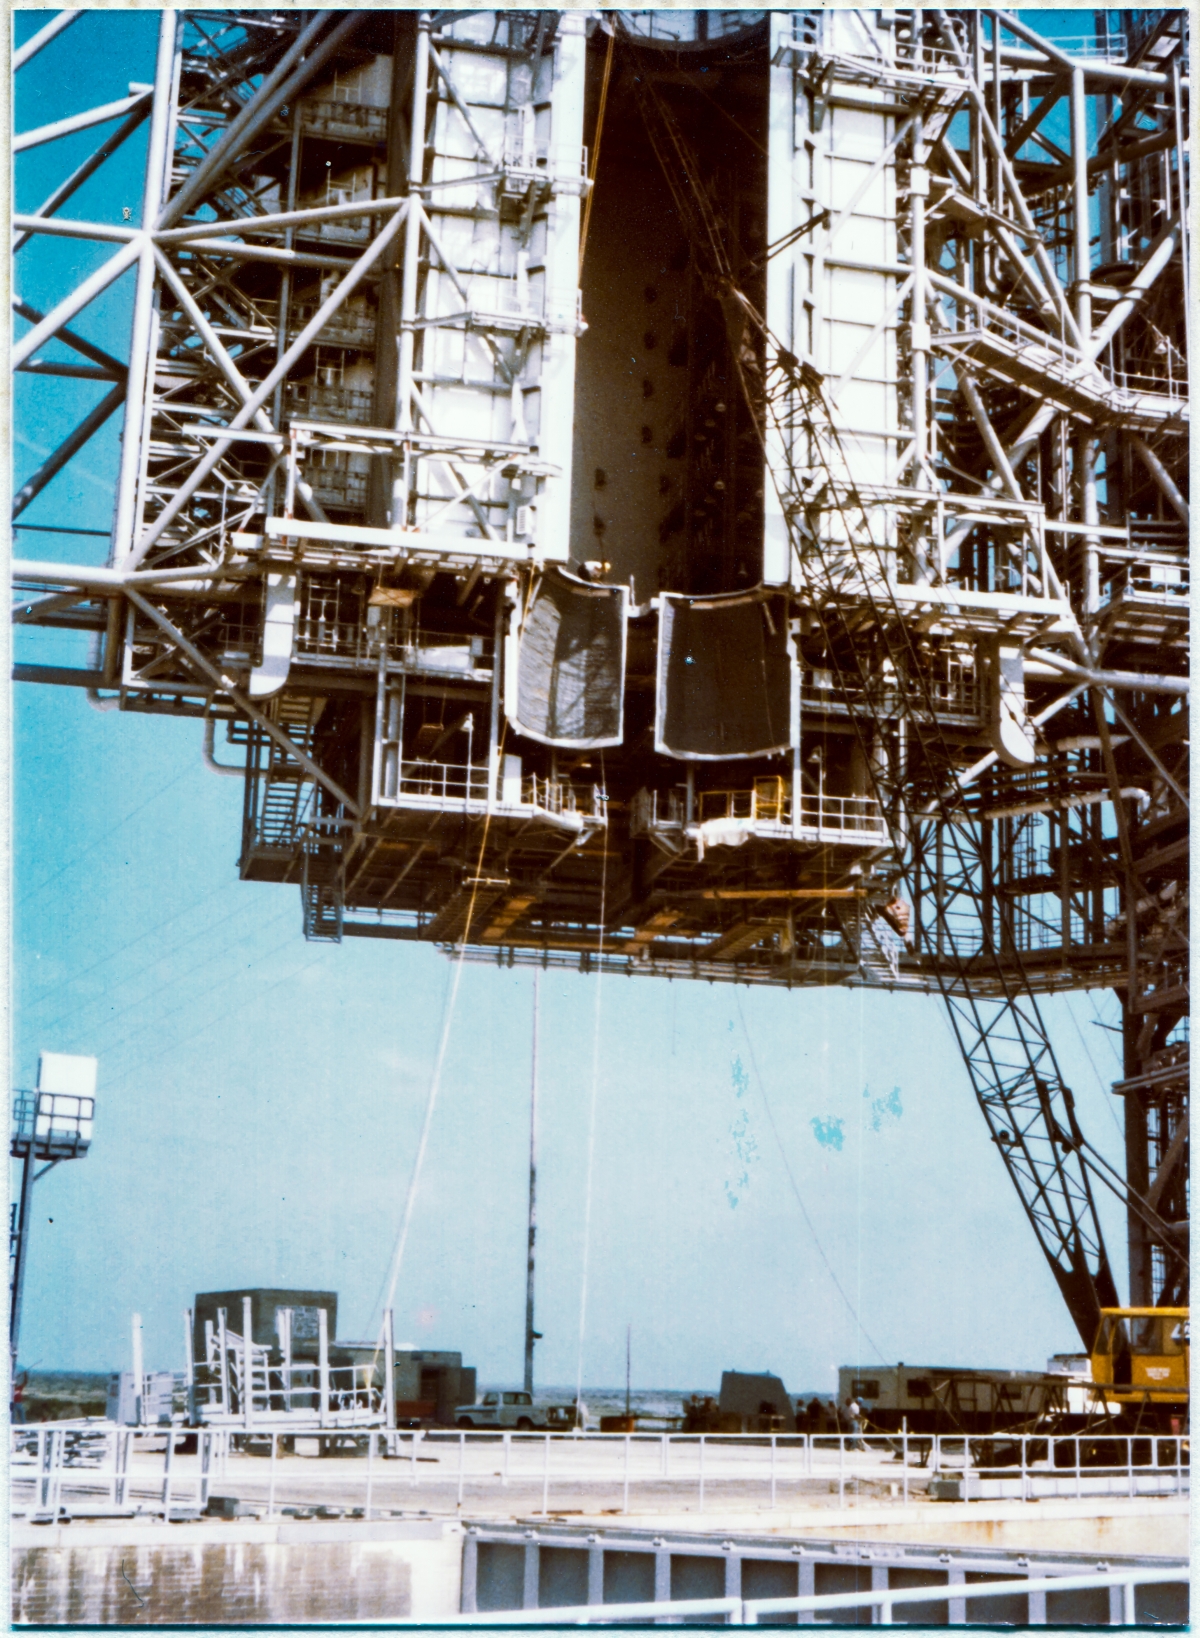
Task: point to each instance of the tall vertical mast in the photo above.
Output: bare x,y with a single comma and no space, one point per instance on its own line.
530,1333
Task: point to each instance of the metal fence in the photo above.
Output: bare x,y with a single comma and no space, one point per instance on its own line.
881,1603
82,1467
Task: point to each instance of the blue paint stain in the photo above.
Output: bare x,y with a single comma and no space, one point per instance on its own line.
829,1133
745,1146
884,1110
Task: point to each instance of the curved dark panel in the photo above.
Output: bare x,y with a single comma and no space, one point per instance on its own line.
570,680
724,677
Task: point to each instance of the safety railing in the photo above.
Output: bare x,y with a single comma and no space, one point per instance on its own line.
769,804
857,817
348,1393
541,1464
444,784
1149,582
954,694
438,783
98,1470
884,1601
881,1604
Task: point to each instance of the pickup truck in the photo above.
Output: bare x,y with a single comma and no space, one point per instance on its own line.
500,1410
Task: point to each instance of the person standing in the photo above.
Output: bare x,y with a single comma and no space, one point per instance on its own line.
854,1416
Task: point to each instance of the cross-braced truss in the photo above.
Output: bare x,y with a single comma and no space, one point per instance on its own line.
782,577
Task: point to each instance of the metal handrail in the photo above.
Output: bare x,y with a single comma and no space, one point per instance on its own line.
591,1458
886,1598
583,1615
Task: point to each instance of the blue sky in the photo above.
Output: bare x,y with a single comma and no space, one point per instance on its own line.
259,1098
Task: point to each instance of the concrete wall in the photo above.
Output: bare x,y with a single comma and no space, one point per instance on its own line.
241,1572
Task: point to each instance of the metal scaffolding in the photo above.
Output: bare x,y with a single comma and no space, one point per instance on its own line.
694,494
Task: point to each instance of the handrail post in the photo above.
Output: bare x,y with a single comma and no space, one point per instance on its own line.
505,1439
625,1494
904,1456
1078,1473
462,1456
370,1472
271,1478
1129,1602
546,1476
322,1365
168,1459
247,1362
772,1472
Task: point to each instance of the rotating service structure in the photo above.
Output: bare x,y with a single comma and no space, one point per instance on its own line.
696,494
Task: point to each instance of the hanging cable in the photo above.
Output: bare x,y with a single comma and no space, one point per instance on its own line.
762,1090
436,1079
591,1143
595,161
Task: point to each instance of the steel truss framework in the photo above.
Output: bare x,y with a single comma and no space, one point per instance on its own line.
930,365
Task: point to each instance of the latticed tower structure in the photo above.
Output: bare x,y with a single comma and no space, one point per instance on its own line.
696,494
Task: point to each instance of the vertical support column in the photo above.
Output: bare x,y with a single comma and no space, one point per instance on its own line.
1137,1177
733,1576
157,173
595,1575
189,1364
662,1576
532,1567
387,323
285,286
470,1573
412,250
806,1587
957,1607
23,1227
506,592
283,1323
247,1362
530,1334
1088,509
139,1373
555,435
919,331
777,564
322,1366
389,1368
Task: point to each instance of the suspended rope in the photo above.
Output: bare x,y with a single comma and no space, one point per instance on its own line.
595,162
435,1081
762,1091
591,1143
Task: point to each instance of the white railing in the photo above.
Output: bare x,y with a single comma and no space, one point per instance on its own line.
444,784
1017,1467
842,815
859,817
749,1612
586,1615
886,1599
